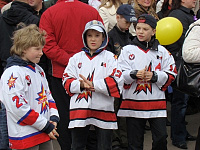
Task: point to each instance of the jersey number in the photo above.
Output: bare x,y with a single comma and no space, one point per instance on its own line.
16,99
117,73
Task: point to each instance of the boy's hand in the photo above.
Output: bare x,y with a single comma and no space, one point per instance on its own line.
86,84
148,75
140,74
53,134
54,123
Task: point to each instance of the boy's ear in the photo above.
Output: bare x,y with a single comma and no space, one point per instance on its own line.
117,17
154,32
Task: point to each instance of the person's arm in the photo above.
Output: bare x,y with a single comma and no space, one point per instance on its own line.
191,46
113,83
165,71
18,104
51,48
70,78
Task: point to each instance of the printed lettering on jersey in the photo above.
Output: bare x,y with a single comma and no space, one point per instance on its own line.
85,94
131,56
28,79
42,99
11,82
79,65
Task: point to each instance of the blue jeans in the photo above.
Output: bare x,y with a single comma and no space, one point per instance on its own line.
178,110
4,142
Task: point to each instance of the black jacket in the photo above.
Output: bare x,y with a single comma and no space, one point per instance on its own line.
19,12
186,17
117,39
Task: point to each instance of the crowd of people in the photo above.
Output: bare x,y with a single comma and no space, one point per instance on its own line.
91,74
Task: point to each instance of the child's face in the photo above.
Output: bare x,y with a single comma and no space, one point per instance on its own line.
94,39
122,23
33,54
144,32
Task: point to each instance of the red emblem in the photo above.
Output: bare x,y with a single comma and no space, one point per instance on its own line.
79,65
131,56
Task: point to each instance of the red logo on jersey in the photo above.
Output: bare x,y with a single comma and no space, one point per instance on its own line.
131,56
86,94
79,65
144,85
28,79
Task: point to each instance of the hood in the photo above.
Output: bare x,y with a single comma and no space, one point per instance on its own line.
17,61
19,12
90,25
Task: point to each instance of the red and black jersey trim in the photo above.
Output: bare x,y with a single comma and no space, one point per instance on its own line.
168,82
67,86
83,114
112,87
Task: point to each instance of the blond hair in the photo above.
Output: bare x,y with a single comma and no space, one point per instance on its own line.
26,37
104,3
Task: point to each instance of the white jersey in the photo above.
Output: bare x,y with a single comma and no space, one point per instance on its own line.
29,105
93,108
145,99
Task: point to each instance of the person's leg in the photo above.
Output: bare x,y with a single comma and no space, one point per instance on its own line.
46,145
79,137
4,142
178,109
197,146
32,148
62,102
135,133
159,133
104,138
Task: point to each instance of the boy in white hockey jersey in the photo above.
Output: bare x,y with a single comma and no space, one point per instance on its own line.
92,79
32,115
148,69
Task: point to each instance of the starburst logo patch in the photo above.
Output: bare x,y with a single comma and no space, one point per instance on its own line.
86,94
144,85
11,82
42,99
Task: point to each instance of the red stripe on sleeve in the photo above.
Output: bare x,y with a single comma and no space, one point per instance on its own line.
29,119
67,86
112,87
52,104
169,81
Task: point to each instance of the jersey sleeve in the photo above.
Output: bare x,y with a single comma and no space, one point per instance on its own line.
168,71
70,78
16,102
113,83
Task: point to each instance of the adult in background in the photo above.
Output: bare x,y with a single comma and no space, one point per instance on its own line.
182,10
64,23
191,54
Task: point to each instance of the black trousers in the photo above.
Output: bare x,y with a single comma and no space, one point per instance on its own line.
80,134
62,102
136,129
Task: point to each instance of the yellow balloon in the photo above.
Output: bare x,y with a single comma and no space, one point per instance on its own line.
168,30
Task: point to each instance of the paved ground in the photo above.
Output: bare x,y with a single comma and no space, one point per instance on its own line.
192,127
